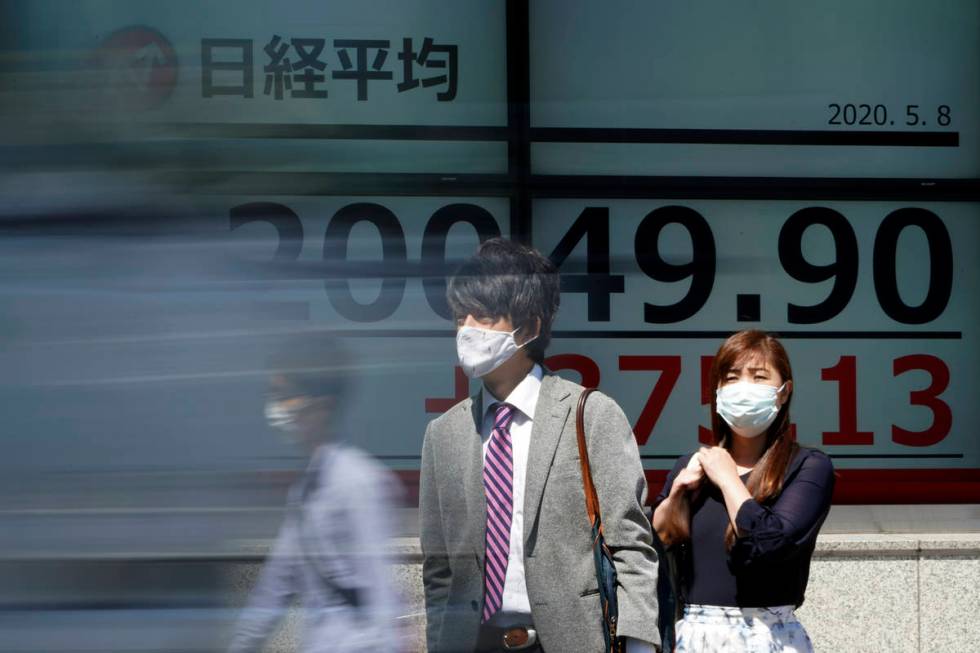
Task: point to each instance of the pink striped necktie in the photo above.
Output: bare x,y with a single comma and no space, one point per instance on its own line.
498,482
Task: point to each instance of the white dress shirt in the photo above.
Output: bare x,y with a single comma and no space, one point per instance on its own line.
516,607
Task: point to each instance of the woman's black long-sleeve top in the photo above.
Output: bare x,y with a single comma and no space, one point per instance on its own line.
769,564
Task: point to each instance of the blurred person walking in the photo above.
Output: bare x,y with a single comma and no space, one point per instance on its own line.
331,549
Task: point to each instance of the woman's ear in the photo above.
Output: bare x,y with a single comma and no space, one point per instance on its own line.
783,396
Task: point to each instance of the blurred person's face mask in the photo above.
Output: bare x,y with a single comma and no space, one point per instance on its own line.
481,351
284,418
749,408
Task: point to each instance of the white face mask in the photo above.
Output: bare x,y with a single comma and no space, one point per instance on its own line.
481,351
749,408
281,418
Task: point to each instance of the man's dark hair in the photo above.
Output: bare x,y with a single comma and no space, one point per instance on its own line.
316,364
507,279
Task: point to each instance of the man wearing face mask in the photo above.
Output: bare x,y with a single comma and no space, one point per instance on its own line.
330,552
507,546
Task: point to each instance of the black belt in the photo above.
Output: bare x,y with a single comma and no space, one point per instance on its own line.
513,638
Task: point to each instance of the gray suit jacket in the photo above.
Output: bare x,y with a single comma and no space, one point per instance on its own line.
558,560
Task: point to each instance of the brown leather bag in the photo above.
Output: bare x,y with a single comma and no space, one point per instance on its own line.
605,570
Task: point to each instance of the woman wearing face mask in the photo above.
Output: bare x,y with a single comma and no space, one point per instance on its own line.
744,514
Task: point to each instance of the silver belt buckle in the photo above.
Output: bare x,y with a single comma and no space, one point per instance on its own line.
519,638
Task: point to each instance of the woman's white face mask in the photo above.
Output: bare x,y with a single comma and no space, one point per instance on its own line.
749,408
481,351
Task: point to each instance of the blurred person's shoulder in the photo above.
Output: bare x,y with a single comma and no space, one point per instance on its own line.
352,460
360,468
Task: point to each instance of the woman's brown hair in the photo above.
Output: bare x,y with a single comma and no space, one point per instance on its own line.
766,480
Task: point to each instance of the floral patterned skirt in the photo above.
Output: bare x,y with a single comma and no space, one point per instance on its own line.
719,629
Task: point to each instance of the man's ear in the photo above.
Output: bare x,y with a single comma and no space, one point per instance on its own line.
531,332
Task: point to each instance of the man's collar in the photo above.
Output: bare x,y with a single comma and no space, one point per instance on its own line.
524,397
